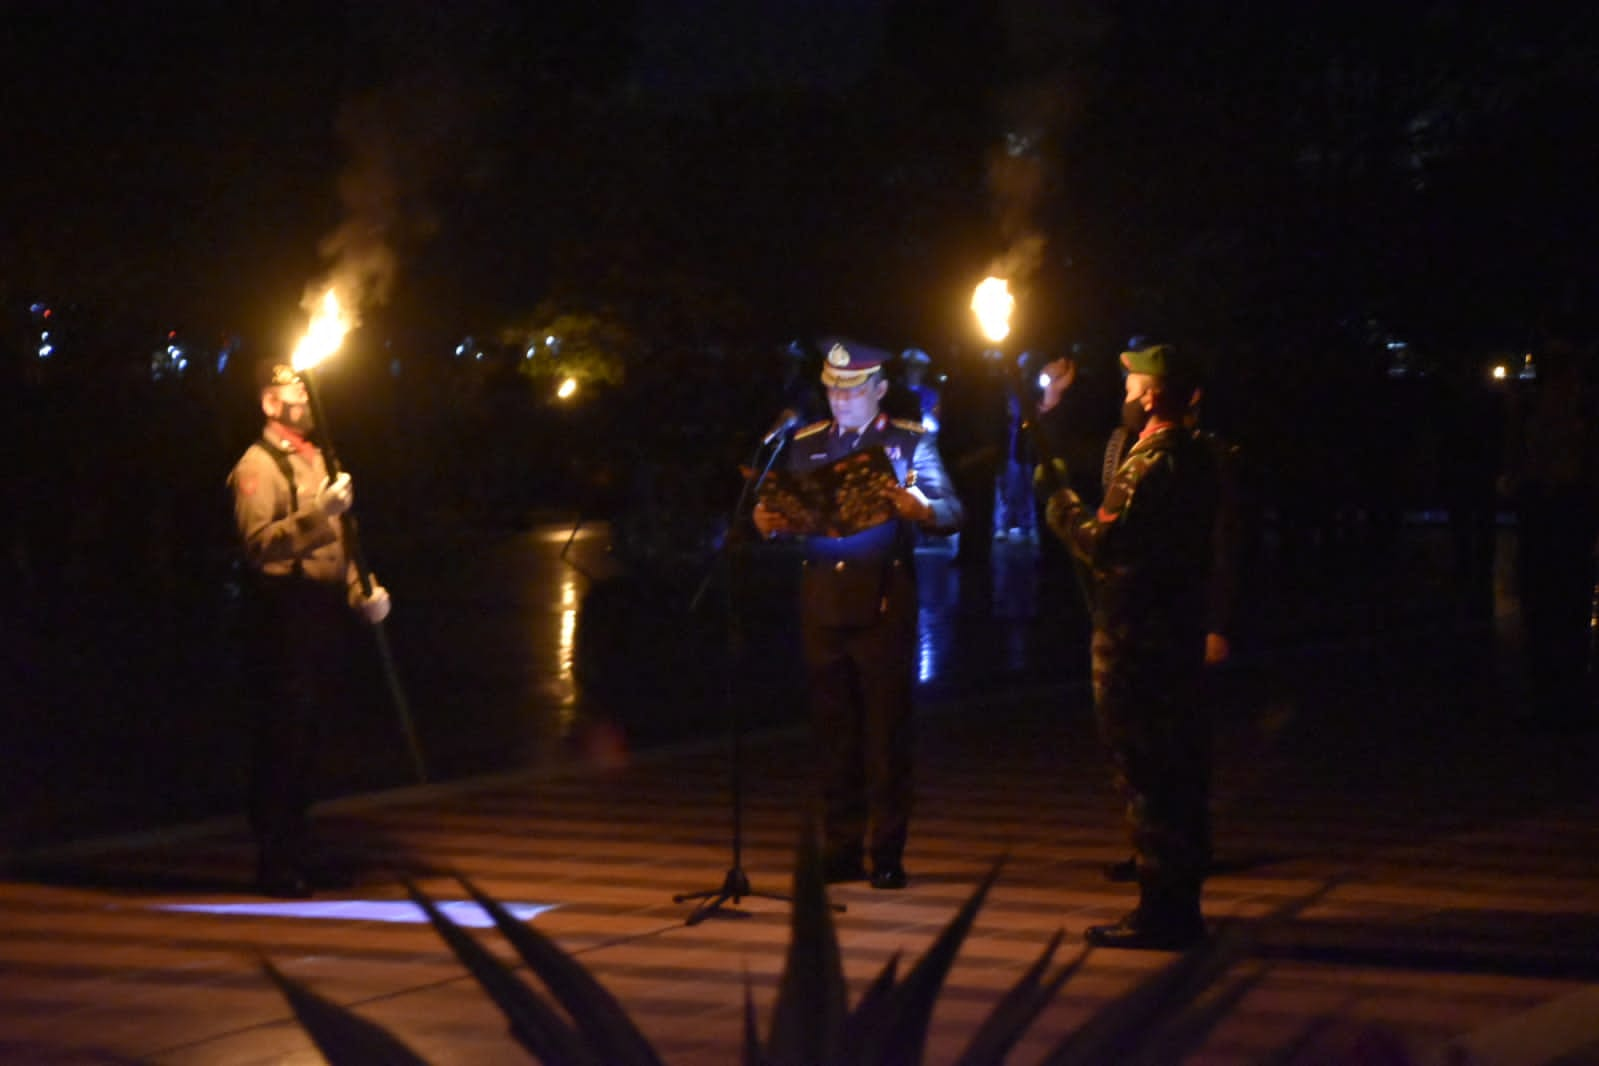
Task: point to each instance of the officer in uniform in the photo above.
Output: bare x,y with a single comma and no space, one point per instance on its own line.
858,609
302,586
1148,550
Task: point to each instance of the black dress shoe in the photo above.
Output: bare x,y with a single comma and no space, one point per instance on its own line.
1139,932
890,875
837,868
283,884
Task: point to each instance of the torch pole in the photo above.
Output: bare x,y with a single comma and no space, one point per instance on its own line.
1044,456
352,544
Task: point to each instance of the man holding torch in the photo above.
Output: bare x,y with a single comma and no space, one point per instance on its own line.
303,584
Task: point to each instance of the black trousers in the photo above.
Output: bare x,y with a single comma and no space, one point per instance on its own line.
860,679
297,662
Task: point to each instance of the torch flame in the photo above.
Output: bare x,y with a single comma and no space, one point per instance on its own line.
329,324
993,303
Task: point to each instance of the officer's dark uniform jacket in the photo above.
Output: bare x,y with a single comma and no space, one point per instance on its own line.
845,577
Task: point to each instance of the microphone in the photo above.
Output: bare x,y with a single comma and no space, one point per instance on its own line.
785,422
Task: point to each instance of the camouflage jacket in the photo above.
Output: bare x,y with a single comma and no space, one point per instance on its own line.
1148,546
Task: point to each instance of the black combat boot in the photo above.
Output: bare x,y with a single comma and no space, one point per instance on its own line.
1167,918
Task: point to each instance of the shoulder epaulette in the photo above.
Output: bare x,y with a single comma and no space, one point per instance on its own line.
813,428
910,424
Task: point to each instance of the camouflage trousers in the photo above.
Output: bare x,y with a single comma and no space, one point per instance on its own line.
1148,701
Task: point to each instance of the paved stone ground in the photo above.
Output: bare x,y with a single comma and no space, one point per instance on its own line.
1464,913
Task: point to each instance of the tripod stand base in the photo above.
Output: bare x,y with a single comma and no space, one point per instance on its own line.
735,886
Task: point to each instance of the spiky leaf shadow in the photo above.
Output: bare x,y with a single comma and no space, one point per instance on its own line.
808,1016
1163,1012
1159,1020
604,1025
534,1023
343,1037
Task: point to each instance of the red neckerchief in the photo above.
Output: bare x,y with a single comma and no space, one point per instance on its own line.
1154,426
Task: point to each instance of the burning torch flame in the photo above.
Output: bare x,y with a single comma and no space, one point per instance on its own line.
326,333
993,304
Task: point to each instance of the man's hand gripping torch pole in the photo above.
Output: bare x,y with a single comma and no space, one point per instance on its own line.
352,541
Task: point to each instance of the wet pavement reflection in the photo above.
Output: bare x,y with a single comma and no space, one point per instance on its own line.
543,647
540,648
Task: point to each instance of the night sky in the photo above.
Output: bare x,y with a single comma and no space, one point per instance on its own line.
1204,168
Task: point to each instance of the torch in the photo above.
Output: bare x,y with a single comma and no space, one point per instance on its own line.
993,304
323,338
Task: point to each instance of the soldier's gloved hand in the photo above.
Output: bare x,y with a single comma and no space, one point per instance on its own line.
375,607
334,498
1049,477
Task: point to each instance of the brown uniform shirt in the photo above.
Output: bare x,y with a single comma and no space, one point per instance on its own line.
285,533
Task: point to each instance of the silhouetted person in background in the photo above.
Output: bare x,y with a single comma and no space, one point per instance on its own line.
973,437
925,396
1553,477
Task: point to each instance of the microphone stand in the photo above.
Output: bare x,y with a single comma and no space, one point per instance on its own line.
735,883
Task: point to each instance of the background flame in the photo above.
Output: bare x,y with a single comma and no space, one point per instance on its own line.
329,324
993,303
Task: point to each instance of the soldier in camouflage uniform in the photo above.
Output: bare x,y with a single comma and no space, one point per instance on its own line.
858,608
1148,550
1227,538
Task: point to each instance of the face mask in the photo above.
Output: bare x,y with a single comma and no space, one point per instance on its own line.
1134,416
298,417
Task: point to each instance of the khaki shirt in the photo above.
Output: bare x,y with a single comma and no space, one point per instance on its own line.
279,539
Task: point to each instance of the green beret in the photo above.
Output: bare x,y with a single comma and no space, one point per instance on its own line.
1161,361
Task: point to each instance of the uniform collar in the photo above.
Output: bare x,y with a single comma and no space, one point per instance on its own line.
877,423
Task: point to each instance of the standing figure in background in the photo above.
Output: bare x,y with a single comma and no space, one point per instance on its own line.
1553,478
1015,508
858,610
913,364
302,586
973,434
1147,548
